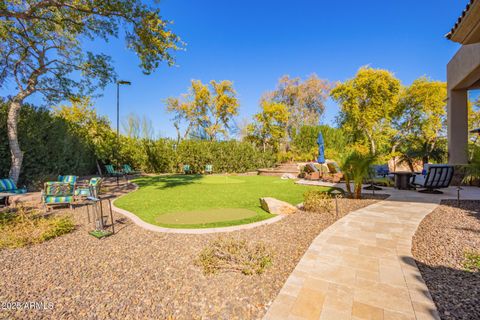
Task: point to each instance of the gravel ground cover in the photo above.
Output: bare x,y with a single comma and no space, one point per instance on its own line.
439,247
138,274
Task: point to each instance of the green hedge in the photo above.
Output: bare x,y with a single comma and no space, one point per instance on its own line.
49,148
164,155
53,146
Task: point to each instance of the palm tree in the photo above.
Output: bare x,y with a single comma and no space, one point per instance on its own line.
356,167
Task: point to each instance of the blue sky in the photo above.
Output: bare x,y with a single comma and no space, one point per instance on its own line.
253,43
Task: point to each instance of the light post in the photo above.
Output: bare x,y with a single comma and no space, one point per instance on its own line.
119,82
336,193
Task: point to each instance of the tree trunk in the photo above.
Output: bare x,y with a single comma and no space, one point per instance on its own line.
12,131
358,190
347,184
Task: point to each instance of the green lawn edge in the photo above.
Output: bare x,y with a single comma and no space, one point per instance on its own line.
261,214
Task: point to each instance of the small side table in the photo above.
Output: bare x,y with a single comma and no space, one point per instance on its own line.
98,216
402,180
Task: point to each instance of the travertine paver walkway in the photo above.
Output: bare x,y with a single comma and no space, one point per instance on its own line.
361,267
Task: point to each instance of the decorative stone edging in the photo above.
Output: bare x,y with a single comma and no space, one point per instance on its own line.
148,226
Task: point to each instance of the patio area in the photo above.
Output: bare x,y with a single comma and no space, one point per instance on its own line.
362,266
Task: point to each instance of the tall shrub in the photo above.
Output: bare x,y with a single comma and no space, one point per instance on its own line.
50,147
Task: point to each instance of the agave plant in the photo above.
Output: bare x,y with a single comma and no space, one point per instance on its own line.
356,167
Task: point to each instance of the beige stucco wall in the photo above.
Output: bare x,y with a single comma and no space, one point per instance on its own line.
463,73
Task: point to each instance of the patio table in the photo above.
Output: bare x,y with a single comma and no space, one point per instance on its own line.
402,179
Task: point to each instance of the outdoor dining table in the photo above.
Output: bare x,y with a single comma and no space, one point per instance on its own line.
402,179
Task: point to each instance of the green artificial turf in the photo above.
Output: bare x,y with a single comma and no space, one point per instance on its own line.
194,201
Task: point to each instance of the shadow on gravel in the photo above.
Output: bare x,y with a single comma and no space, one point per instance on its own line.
168,181
455,292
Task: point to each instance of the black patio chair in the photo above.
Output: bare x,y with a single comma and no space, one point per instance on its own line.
438,176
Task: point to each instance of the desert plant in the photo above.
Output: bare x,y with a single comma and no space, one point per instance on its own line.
356,167
26,227
472,261
317,201
233,255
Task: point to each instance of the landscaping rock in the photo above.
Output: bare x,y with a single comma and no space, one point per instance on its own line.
275,206
140,274
287,176
439,247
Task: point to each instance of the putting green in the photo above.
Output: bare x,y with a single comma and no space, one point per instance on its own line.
196,201
205,217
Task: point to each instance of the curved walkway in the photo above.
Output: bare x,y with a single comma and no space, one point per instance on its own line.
361,267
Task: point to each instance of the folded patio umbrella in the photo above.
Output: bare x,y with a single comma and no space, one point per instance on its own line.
321,148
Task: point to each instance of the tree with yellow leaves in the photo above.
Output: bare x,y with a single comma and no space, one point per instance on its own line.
270,126
206,111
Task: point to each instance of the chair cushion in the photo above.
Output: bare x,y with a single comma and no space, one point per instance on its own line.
69,179
7,184
53,199
419,179
84,192
58,189
333,167
18,191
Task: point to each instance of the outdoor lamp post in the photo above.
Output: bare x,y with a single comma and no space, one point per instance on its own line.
119,82
336,193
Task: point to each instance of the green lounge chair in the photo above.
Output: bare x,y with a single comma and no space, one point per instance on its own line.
112,172
69,179
186,169
128,170
58,193
209,168
8,186
91,190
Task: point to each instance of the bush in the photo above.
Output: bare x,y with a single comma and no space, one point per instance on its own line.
305,146
24,227
317,201
49,147
472,261
231,255
225,156
70,141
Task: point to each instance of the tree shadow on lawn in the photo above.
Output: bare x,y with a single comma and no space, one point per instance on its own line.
168,181
456,292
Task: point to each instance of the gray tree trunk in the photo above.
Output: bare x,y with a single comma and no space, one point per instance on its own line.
12,131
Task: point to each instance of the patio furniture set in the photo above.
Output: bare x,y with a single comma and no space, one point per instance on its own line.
432,178
66,191
188,170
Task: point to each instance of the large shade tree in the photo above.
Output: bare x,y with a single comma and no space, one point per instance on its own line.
305,100
269,127
42,49
368,102
205,111
421,121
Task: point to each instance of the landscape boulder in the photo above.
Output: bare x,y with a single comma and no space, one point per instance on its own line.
275,206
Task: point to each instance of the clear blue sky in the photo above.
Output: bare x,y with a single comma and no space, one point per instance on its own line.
253,43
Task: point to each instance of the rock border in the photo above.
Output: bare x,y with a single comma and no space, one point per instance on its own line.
148,226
